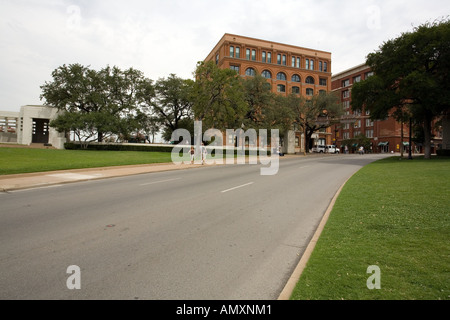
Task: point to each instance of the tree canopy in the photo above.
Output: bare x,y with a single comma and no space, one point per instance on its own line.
96,103
411,78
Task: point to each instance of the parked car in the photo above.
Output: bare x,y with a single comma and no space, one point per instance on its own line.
332,149
318,149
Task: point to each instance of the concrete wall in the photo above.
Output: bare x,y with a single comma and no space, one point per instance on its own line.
27,114
9,122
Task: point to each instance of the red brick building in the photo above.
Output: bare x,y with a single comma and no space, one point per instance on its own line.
288,69
385,135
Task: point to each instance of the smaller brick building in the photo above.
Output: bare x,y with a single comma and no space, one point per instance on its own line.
385,135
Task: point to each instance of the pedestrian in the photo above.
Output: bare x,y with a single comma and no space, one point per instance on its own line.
346,150
192,152
361,150
203,153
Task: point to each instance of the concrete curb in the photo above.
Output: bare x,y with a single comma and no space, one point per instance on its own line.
295,277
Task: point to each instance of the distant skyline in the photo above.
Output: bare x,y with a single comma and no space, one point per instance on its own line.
161,37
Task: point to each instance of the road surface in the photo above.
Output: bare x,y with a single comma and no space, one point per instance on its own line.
216,232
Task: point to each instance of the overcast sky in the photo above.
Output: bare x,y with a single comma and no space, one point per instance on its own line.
160,37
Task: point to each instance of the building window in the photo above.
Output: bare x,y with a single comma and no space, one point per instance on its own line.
296,90
369,123
238,52
298,62
281,76
358,124
346,104
264,56
235,68
269,57
295,78
232,51
307,64
284,59
309,92
356,79
310,80
311,64
267,74
345,94
278,58
281,88
325,67
323,82
346,135
320,66
368,74
254,55
346,83
369,133
293,62
250,72
217,58
247,54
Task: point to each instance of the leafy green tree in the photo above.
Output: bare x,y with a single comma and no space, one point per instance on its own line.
96,104
411,77
316,113
218,97
172,104
261,102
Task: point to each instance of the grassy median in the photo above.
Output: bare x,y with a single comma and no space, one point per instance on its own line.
26,160
393,214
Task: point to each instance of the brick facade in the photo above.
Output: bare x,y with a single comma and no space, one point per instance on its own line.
288,69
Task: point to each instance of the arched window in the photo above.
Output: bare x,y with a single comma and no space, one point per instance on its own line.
281,76
310,80
267,74
295,78
250,72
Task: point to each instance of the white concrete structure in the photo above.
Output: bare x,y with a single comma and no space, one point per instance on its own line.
30,125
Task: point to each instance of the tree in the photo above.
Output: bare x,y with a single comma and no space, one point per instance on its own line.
172,106
95,104
411,77
314,114
218,97
261,102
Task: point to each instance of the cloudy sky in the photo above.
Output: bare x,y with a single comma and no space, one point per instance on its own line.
160,37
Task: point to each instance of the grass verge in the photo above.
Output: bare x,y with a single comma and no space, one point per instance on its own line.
25,160
392,214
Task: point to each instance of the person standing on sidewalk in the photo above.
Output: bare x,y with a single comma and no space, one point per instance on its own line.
204,153
192,152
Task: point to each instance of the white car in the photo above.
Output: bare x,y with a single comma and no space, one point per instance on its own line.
318,149
332,149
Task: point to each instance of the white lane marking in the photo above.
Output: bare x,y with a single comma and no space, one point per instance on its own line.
162,181
303,167
238,187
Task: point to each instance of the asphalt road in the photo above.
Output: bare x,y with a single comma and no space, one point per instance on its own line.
216,232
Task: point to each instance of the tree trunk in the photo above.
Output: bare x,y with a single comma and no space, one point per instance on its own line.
427,137
100,137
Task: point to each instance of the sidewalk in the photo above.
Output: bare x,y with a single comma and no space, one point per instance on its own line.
42,179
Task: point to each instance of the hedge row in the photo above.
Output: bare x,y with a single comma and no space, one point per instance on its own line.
127,147
117,147
443,152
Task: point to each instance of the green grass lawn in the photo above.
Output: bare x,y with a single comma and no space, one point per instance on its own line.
25,160
395,215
